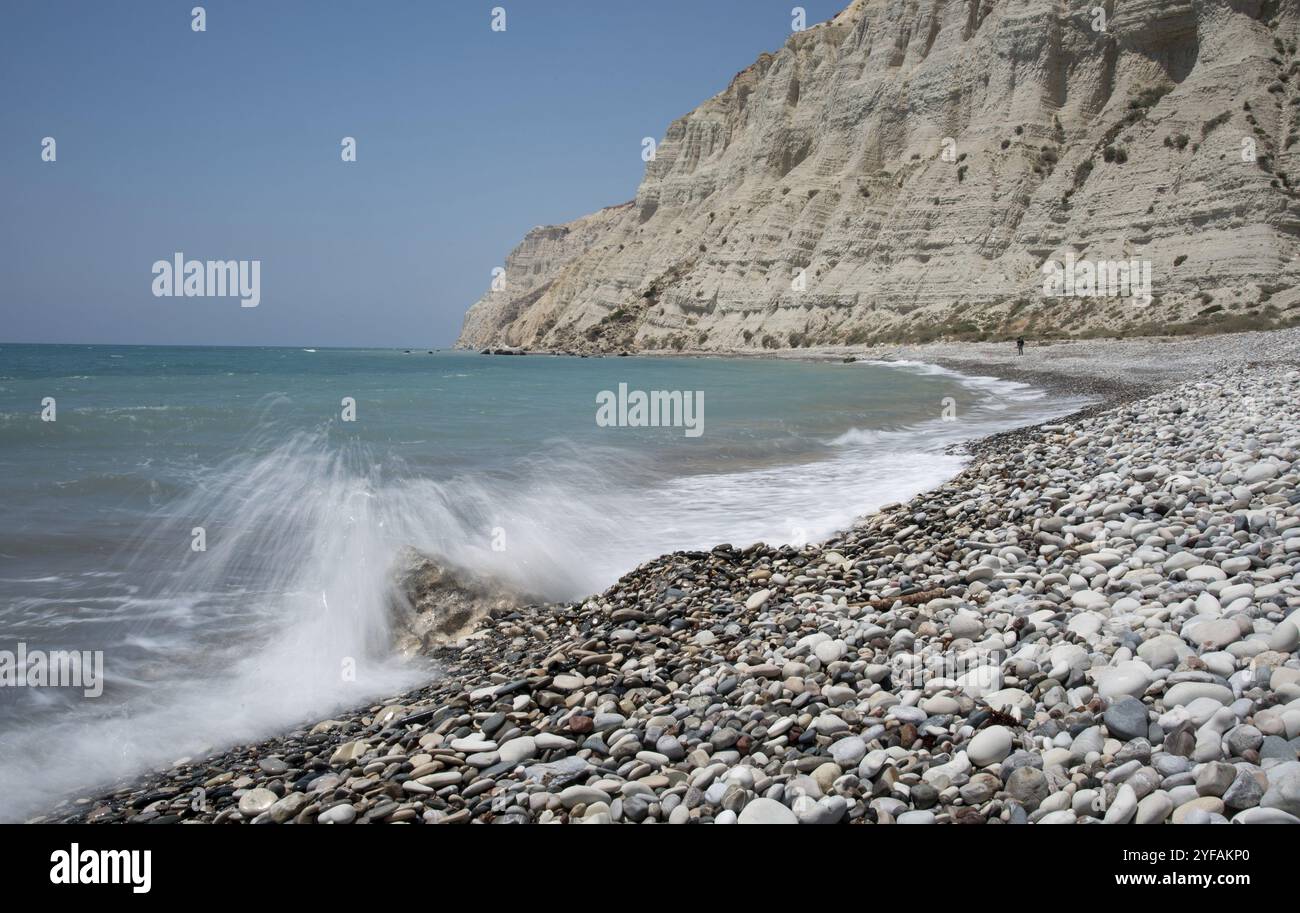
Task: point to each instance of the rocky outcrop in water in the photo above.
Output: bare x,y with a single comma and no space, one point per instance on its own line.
905,171
434,605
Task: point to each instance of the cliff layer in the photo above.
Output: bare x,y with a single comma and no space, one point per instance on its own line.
914,168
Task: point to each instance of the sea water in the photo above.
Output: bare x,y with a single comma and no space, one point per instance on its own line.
223,523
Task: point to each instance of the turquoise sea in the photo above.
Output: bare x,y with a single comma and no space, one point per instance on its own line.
492,463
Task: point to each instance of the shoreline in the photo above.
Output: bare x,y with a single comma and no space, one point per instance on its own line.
1112,367
456,742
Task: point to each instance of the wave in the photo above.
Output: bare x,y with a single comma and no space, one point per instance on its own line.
285,615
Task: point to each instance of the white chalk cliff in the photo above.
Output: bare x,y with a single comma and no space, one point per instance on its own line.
905,170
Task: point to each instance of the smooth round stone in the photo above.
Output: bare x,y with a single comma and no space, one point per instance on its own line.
1087,743
1181,562
1129,678
916,817
1161,652
1206,573
839,695
516,751
848,752
965,626
1274,746
1233,566
1154,809
989,746
741,776
1209,804
755,601
1264,816
549,741
597,813
1028,786
1244,738
671,748
326,783
1086,802
872,763
436,781
1123,807
827,810
1062,816
1260,472
1215,634
1009,700
256,801
826,774
830,651
1230,595
781,727
1199,711
288,807
1186,692
1088,599
980,681
976,574
923,796
572,796
1168,765
1126,719
941,705
829,724
472,745
1284,790
766,811
1285,637
1220,663
272,766
1283,677
913,715
339,814
1085,624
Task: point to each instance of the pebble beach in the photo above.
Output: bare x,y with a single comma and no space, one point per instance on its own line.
1094,622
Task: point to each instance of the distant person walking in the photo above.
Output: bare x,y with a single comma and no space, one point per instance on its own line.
1020,345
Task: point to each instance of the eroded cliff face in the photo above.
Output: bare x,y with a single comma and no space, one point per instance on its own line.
905,170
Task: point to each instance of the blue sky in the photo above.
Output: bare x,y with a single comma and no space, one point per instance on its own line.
225,145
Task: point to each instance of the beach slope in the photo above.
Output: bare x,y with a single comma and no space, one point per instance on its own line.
1095,620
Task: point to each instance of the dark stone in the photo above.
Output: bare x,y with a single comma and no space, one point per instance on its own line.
1274,746
1181,742
272,766
1028,786
924,796
1126,719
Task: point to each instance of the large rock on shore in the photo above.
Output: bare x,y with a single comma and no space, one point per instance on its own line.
433,604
